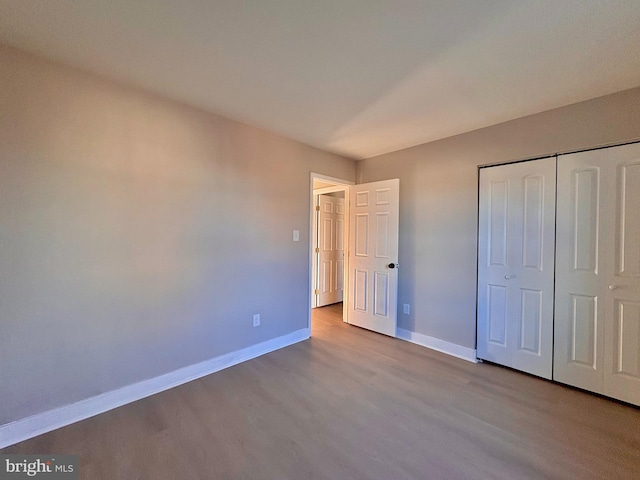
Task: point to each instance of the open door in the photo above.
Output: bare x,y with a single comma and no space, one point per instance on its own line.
373,256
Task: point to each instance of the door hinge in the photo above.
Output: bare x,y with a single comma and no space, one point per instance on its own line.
317,208
316,292
317,250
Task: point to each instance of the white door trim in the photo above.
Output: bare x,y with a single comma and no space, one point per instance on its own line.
340,185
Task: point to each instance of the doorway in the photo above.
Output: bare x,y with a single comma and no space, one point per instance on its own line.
329,247
329,219
370,237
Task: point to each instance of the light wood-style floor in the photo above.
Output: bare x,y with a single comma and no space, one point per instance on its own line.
352,404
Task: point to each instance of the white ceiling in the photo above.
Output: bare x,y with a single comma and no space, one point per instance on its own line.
355,77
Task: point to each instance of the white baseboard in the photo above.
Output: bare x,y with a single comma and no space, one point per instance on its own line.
465,353
44,422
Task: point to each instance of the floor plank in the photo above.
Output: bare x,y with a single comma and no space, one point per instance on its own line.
350,403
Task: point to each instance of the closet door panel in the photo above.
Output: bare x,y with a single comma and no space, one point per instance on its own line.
533,342
622,332
579,294
515,274
495,262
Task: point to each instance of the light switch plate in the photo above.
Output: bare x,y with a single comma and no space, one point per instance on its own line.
296,235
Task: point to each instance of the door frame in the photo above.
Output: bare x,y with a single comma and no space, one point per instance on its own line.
340,184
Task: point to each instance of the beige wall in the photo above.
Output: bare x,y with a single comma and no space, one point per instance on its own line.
137,236
438,202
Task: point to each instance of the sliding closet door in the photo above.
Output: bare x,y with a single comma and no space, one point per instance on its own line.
515,265
597,326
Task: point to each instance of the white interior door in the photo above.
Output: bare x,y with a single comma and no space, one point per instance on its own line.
331,249
598,272
516,235
373,255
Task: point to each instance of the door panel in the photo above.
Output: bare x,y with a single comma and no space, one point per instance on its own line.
586,192
625,339
530,320
325,287
340,230
498,221
360,288
497,315
382,235
373,247
533,216
515,265
628,242
362,235
381,294
584,326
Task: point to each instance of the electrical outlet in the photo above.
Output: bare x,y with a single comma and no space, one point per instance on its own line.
406,309
256,320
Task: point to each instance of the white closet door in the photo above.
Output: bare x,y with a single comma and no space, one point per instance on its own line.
515,265
598,272
622,333
583,186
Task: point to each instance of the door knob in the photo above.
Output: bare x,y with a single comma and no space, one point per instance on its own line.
613,287
509,277
392,265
